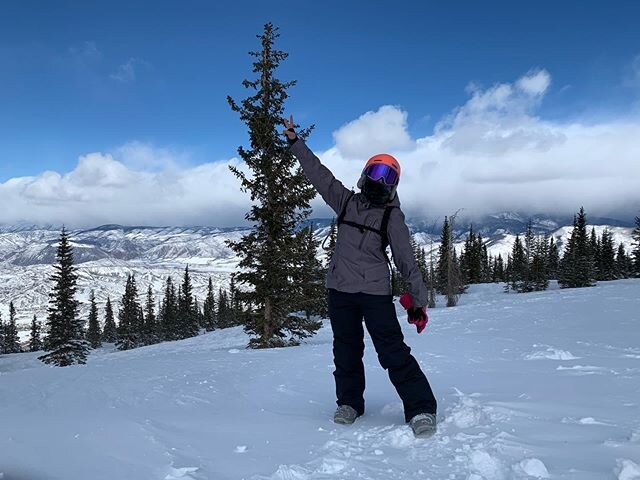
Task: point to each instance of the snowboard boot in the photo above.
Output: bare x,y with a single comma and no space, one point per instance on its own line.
345,415
423,424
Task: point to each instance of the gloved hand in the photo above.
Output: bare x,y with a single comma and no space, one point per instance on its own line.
289,132
416,316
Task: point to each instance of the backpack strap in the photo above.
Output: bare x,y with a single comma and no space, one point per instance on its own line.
384,226
343,212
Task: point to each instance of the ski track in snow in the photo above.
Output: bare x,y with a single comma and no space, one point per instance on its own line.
541,385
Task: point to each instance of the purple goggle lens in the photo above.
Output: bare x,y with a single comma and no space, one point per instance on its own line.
379,171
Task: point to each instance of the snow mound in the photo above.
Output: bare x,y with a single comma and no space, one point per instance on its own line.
533,467
627,470
551,354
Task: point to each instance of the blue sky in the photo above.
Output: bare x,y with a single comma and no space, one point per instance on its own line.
79,77
116,112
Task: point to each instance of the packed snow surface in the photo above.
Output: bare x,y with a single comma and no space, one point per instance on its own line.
530,386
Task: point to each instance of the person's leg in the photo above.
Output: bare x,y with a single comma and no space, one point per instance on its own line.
395,356
348,348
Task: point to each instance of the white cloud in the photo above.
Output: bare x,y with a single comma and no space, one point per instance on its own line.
491,154
374,132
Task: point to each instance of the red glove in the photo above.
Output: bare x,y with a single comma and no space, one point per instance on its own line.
416,316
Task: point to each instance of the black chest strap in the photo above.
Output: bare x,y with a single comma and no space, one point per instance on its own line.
384,225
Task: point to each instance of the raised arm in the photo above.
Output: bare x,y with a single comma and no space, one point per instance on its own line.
404,258
332,190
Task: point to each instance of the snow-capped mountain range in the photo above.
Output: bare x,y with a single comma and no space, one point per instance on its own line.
106,254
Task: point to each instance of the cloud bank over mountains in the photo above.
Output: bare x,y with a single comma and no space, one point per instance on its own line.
491,154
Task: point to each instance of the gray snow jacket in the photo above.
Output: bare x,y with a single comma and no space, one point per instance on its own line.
358,264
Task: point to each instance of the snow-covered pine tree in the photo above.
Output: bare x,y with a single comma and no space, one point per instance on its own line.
11,338
594,250
94,335
209,309
150,334
65,341
577,265
35,340
129,321
311,279
109,332
187,318
281,196
636,248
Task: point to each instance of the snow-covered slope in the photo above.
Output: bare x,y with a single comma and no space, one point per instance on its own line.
540,385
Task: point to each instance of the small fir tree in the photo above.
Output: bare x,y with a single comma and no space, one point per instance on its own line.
35,340
11,338
129,317
94,336
109,332
209,309
577,265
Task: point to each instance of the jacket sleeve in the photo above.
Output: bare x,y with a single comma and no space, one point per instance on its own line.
404,258
332,190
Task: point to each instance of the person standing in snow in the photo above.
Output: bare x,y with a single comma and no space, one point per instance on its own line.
359,285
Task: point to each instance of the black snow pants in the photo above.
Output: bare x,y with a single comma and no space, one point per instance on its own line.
346,311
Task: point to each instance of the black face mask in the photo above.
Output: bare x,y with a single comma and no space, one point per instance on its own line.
378,193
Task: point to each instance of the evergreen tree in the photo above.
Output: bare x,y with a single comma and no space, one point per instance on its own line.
539,269
519,268
11,338
624,264
150,334
64,342
209,309
187,317
577,264
553,260
498,269
431,289
109,332
281,194
311,278
94,336
444,257
129,318
223,309
636,248
35,341
169,312
606,259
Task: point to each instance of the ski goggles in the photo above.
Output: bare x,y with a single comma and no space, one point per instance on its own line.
379,171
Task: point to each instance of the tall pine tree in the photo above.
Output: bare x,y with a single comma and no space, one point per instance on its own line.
577,265
281,196
109,332
65,342
94,336
209,309
150,329
187,316
11,338
129,317
35,340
